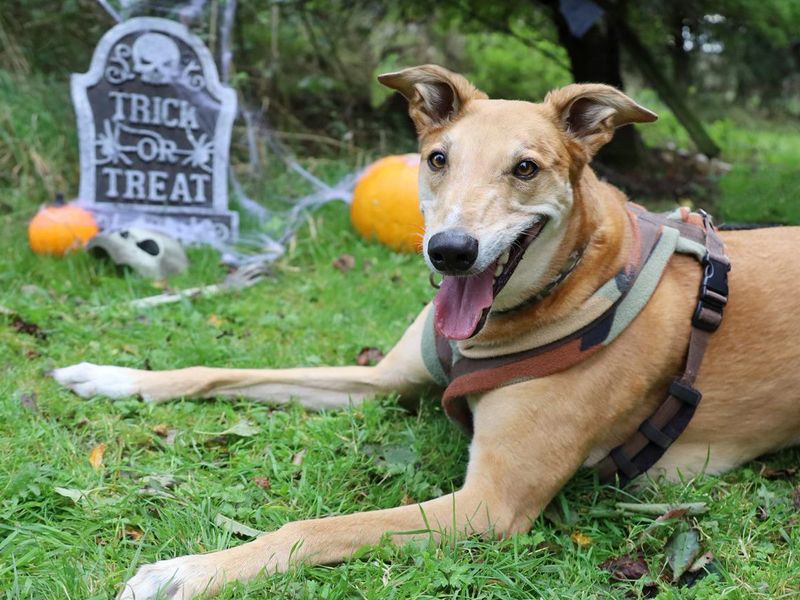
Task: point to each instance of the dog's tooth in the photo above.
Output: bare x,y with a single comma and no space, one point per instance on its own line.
504,257
498,270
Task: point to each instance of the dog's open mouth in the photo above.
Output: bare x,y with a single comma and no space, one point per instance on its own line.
463,303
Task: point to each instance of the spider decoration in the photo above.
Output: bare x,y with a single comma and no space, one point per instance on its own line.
192,77
110,148
200,153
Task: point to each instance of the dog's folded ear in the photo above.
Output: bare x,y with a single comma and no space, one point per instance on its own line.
589,112
435,95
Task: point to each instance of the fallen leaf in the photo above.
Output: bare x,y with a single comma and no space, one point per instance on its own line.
214,320
674,513
395,458
164,431
369,356
33,290
217,441
235,527
71,493
164,481
262,482
768,498
243,428
344,262
20,325
158,485
682,550
549,546
297,459
702,562
96,455
581,539
784,473
132,533
559,513
705,565
650,590
625,567
28,401
407,500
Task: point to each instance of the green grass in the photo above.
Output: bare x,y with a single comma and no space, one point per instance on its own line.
308,313
53,547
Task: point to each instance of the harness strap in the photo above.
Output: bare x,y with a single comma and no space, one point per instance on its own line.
657,433
654,239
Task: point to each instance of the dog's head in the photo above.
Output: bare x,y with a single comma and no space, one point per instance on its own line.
497,184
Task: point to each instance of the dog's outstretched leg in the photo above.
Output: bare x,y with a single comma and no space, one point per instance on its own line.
516,466
402,371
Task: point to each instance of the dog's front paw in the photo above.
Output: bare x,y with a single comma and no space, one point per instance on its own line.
87,379
175,579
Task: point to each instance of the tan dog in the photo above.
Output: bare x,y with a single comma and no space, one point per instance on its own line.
494,168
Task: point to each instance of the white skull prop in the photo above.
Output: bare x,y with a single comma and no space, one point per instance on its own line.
149,253
156,58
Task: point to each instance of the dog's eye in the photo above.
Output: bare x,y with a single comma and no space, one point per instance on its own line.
526,169
437,161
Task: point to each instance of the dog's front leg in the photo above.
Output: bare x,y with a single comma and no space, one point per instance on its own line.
520,457
402,371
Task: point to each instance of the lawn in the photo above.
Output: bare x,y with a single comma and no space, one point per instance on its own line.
73,529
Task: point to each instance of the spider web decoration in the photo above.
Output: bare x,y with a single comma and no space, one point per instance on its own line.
273,221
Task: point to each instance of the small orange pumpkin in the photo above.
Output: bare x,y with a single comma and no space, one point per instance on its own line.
386,203
58,228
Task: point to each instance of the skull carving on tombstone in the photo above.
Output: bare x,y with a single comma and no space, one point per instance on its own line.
156,58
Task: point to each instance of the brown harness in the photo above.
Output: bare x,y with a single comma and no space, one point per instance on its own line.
655,435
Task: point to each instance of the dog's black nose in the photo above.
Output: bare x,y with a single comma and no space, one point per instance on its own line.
453,251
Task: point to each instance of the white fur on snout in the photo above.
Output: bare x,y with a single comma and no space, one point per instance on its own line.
175,579
87,380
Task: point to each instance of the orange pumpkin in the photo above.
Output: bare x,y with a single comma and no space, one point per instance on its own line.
386,203
58,228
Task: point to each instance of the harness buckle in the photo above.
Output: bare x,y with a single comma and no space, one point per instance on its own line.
713,293
684,392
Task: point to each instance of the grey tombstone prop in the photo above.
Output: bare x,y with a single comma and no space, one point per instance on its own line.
154,124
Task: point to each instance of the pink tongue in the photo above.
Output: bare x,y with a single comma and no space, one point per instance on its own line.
460,303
